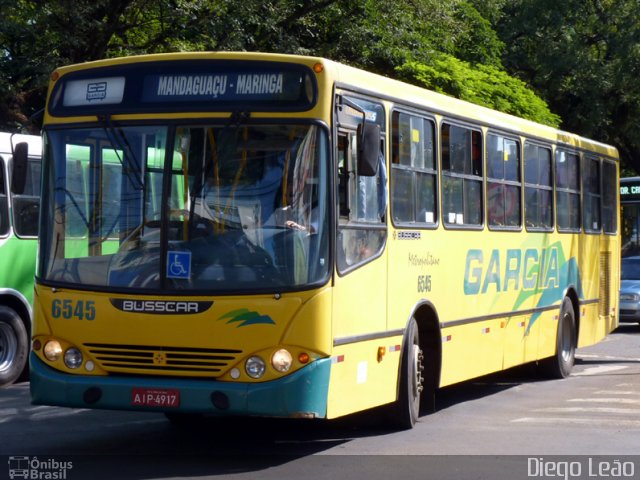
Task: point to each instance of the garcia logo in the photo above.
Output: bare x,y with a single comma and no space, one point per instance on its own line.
96,91
511,269
161,307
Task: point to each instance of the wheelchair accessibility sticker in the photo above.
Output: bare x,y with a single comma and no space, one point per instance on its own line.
179,265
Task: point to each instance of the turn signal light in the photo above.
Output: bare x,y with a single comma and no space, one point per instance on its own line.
303,358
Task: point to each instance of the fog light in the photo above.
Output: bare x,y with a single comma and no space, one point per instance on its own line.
281,360
52,350
73,358
255,367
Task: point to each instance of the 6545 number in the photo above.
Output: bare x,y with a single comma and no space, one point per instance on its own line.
424,283
69,309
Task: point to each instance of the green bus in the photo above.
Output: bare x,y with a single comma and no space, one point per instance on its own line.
19,210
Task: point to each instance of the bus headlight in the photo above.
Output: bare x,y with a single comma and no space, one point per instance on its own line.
73,358
52,350
281,360
255,367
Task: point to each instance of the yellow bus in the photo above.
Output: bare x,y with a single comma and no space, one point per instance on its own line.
287,236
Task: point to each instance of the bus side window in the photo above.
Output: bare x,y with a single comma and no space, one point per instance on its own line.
503,182
591,196
362,202
538,187
413,170
610,192
568,191
4,203
26,206
461,175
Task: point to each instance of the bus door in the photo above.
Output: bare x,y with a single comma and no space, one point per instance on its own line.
360,293
4,201
360,296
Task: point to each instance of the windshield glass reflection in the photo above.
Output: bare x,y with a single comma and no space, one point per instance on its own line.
229,208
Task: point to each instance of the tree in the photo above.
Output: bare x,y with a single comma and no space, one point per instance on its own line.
379,35
483,84
584,57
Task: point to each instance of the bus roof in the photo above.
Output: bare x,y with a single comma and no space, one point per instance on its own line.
380,86
453,107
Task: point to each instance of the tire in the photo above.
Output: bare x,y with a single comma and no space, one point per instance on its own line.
561,364
406,409
14,346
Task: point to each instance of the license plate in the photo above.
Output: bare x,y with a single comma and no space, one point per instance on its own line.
155,397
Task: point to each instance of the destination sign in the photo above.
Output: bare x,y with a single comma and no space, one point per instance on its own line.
95,91
229,87
630,189
186,85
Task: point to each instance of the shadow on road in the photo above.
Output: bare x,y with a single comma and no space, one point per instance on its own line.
108,444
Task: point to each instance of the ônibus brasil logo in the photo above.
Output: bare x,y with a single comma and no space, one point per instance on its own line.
38,469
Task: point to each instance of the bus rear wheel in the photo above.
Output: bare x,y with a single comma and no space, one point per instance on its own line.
561,364
14,346
407,407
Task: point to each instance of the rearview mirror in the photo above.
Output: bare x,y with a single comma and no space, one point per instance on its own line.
19,171
369,150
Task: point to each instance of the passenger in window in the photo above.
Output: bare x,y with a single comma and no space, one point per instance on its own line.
296,209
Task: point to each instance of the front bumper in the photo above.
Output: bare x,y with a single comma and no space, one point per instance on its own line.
301,394
629,312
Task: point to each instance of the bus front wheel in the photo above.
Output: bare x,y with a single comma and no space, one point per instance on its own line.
14,346
407,406
561,364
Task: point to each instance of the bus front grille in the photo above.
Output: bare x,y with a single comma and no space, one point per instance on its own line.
163,360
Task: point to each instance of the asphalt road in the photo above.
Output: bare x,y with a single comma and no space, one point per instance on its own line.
509,425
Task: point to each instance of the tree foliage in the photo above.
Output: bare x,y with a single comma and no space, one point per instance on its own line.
584,58
379,35
483,84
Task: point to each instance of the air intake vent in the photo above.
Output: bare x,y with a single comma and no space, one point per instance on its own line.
156,360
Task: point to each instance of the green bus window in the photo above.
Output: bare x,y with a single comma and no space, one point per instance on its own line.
591,194
567,191
503,182
413,176
461,176
4,203
609,197
538,190
26,206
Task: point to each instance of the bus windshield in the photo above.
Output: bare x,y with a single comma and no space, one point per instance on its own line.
222,208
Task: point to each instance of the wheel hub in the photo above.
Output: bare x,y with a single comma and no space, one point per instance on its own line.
8,346
418,378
